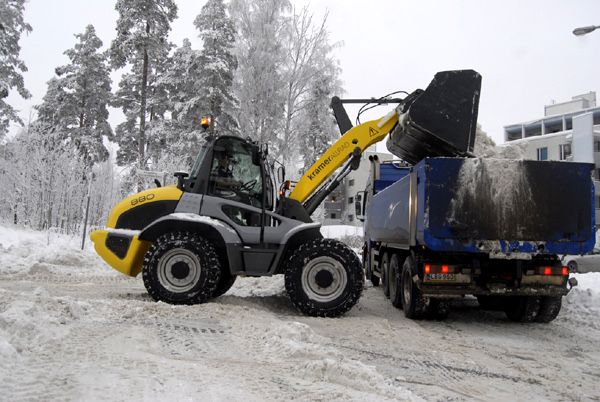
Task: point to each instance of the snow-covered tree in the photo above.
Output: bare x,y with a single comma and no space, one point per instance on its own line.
258,84
84,87
12,25
316,127
310,75
217,32
182,134
142,30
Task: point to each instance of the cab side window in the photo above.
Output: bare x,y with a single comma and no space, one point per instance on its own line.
233,174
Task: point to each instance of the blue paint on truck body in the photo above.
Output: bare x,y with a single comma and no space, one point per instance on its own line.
470,205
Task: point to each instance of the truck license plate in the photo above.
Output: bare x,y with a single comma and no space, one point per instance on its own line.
440,277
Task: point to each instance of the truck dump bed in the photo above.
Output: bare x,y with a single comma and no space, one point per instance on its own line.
491,206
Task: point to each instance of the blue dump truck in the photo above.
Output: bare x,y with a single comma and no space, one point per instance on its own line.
446,227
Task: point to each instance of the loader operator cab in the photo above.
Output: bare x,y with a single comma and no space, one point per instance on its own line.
232,168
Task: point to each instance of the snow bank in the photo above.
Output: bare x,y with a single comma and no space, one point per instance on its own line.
339,231
24,251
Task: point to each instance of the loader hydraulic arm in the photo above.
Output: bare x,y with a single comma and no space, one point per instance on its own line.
357,138
439,121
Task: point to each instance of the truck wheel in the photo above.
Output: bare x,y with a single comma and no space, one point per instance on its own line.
413,302
324,278
181,268
490,302
522,308
394,280
438,309
385,275
225,283
549,308
572,266
369,271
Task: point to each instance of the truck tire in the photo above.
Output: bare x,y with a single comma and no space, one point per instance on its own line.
394,280
225,283
324,278
490,302
385,275
438,309
522,308
181,268
549,308
368,269
414,304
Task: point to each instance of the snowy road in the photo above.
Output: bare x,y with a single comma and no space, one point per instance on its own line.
71,328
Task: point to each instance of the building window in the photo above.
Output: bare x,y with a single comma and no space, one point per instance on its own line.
564,151
350,218
596,146
350,200
351,182
542,154
333,215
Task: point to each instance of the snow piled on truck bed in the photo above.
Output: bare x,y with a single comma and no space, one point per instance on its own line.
71,328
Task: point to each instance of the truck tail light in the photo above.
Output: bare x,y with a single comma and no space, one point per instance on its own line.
440,269
554,270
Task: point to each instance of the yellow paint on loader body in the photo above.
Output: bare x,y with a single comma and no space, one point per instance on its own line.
131,264
167,193
361,136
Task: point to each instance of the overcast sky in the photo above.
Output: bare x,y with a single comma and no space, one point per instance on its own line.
524,50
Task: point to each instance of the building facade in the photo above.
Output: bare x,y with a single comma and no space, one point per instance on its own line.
339,206
569,131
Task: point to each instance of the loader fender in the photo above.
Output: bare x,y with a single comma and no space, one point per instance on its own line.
223,236
211,228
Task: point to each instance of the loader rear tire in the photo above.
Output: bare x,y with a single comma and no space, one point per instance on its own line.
385,275
324,278
549,308
181,268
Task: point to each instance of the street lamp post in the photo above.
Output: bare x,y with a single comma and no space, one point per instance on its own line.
585,30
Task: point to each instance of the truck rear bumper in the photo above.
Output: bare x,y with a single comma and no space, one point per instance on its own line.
443,291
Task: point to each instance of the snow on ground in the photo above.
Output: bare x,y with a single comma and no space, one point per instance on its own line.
73,329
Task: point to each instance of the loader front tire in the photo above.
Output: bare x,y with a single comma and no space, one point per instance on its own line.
324,278
181,268
225,283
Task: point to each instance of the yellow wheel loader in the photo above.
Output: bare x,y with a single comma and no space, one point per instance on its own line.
226,218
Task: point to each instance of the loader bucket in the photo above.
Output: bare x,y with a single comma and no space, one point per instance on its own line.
439,121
